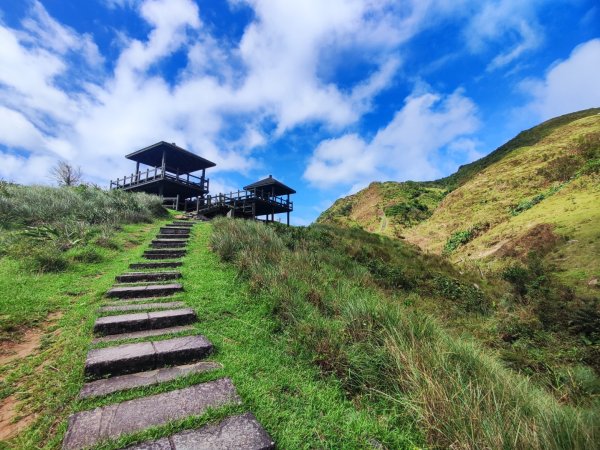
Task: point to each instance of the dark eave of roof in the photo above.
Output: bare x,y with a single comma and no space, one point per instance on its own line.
269,185
177,158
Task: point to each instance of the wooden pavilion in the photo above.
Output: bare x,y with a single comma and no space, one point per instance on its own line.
168,173
265,198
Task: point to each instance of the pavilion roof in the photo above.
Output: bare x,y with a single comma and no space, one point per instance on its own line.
271,185
177,158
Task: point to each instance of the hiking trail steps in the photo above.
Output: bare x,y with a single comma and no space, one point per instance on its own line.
167,347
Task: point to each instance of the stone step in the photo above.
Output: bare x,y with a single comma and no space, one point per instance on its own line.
235,432
174,230
123,382
169,241
142,334
135,277
172,236
180,223
141,306
164,253
155,265
139,301
89,428
150,290
142,356
127,323
168,244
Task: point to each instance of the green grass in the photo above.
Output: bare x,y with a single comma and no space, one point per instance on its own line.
390,357
47,382
298,406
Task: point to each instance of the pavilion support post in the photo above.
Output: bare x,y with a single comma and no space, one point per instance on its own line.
164,162
288,218
254,210
137,171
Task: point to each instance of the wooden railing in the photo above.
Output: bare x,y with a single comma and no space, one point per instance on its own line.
158,173
239,198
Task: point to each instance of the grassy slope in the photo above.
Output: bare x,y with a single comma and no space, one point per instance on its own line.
483,192
47,382
298,407
351,302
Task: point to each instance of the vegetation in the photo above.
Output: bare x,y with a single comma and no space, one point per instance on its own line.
538,192
462,237
298,407
46,228
66,174
363,322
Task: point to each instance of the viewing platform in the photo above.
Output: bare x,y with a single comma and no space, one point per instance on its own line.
266,197
169,172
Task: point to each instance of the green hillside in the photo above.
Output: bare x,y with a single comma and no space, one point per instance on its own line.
539,192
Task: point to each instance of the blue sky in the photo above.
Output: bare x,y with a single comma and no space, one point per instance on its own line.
325,95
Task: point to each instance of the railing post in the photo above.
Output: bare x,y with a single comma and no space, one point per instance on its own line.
177,202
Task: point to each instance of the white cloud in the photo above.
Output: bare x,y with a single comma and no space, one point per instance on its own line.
504,20
41,28
276,74
403,149
569,85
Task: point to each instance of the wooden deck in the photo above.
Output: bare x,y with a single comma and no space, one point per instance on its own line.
160,181
243,204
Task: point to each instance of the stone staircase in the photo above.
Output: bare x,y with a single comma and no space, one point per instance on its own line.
139,307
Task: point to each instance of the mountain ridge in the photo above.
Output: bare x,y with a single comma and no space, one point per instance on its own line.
537,192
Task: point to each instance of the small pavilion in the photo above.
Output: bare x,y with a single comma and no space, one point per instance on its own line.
265,198
271,197
168,173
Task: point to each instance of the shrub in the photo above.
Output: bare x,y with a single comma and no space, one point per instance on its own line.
87,255
44,259
462,237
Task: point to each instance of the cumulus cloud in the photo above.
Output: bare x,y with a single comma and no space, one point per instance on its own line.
568,85
404,149
276,74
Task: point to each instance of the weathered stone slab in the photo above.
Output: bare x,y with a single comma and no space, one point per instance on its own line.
142,306
155,265
142,356
126,301
236,432
181,223
144,321
173,244
169,241
88,428
110,385
181,350
134,277
120,360
174,230
142,334
151,290
170,318
172,236
164,253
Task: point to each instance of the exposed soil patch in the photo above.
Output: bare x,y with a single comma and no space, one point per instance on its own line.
29,342
9,352
540,238
8,411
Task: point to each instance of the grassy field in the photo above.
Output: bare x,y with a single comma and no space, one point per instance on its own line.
343,301
299,406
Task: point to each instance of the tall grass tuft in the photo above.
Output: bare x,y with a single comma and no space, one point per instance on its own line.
38,224
397,362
